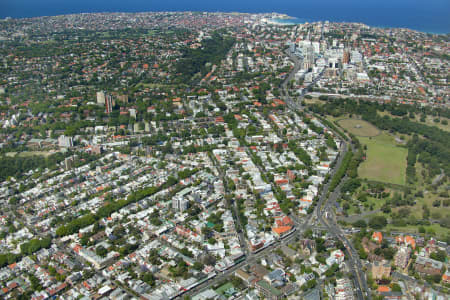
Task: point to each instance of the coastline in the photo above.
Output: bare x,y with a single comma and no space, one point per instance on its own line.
290,20
280,19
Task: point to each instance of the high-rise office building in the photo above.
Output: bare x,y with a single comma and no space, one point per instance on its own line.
101,97
109,103
346,57
308,62
65,141
180,203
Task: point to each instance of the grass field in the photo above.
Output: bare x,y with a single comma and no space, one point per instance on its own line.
313,101
385,161
359,128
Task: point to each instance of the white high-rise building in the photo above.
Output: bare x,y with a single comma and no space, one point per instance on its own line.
180,203
132,112
65,141
101,97
316,47
308,62
356,57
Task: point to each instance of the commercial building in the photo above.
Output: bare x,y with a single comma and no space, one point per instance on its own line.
109,104
65,141
381,270
101,97
402,257
180,203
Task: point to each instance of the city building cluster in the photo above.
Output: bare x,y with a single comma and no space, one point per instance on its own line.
160,156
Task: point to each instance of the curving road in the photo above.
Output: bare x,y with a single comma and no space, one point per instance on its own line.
323,213
326,202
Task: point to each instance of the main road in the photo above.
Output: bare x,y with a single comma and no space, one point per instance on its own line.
324,207
325,214
326,201
295,104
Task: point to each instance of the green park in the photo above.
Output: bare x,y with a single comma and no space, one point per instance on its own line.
385,161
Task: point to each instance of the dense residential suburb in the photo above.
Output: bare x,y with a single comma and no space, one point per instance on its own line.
196,155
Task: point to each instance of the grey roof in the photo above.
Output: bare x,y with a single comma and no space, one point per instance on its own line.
424,260
312,295
276,274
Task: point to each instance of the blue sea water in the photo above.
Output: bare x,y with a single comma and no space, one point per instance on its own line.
428,16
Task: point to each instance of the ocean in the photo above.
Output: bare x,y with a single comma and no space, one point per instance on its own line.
428,16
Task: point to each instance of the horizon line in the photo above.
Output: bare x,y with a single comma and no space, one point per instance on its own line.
225,12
